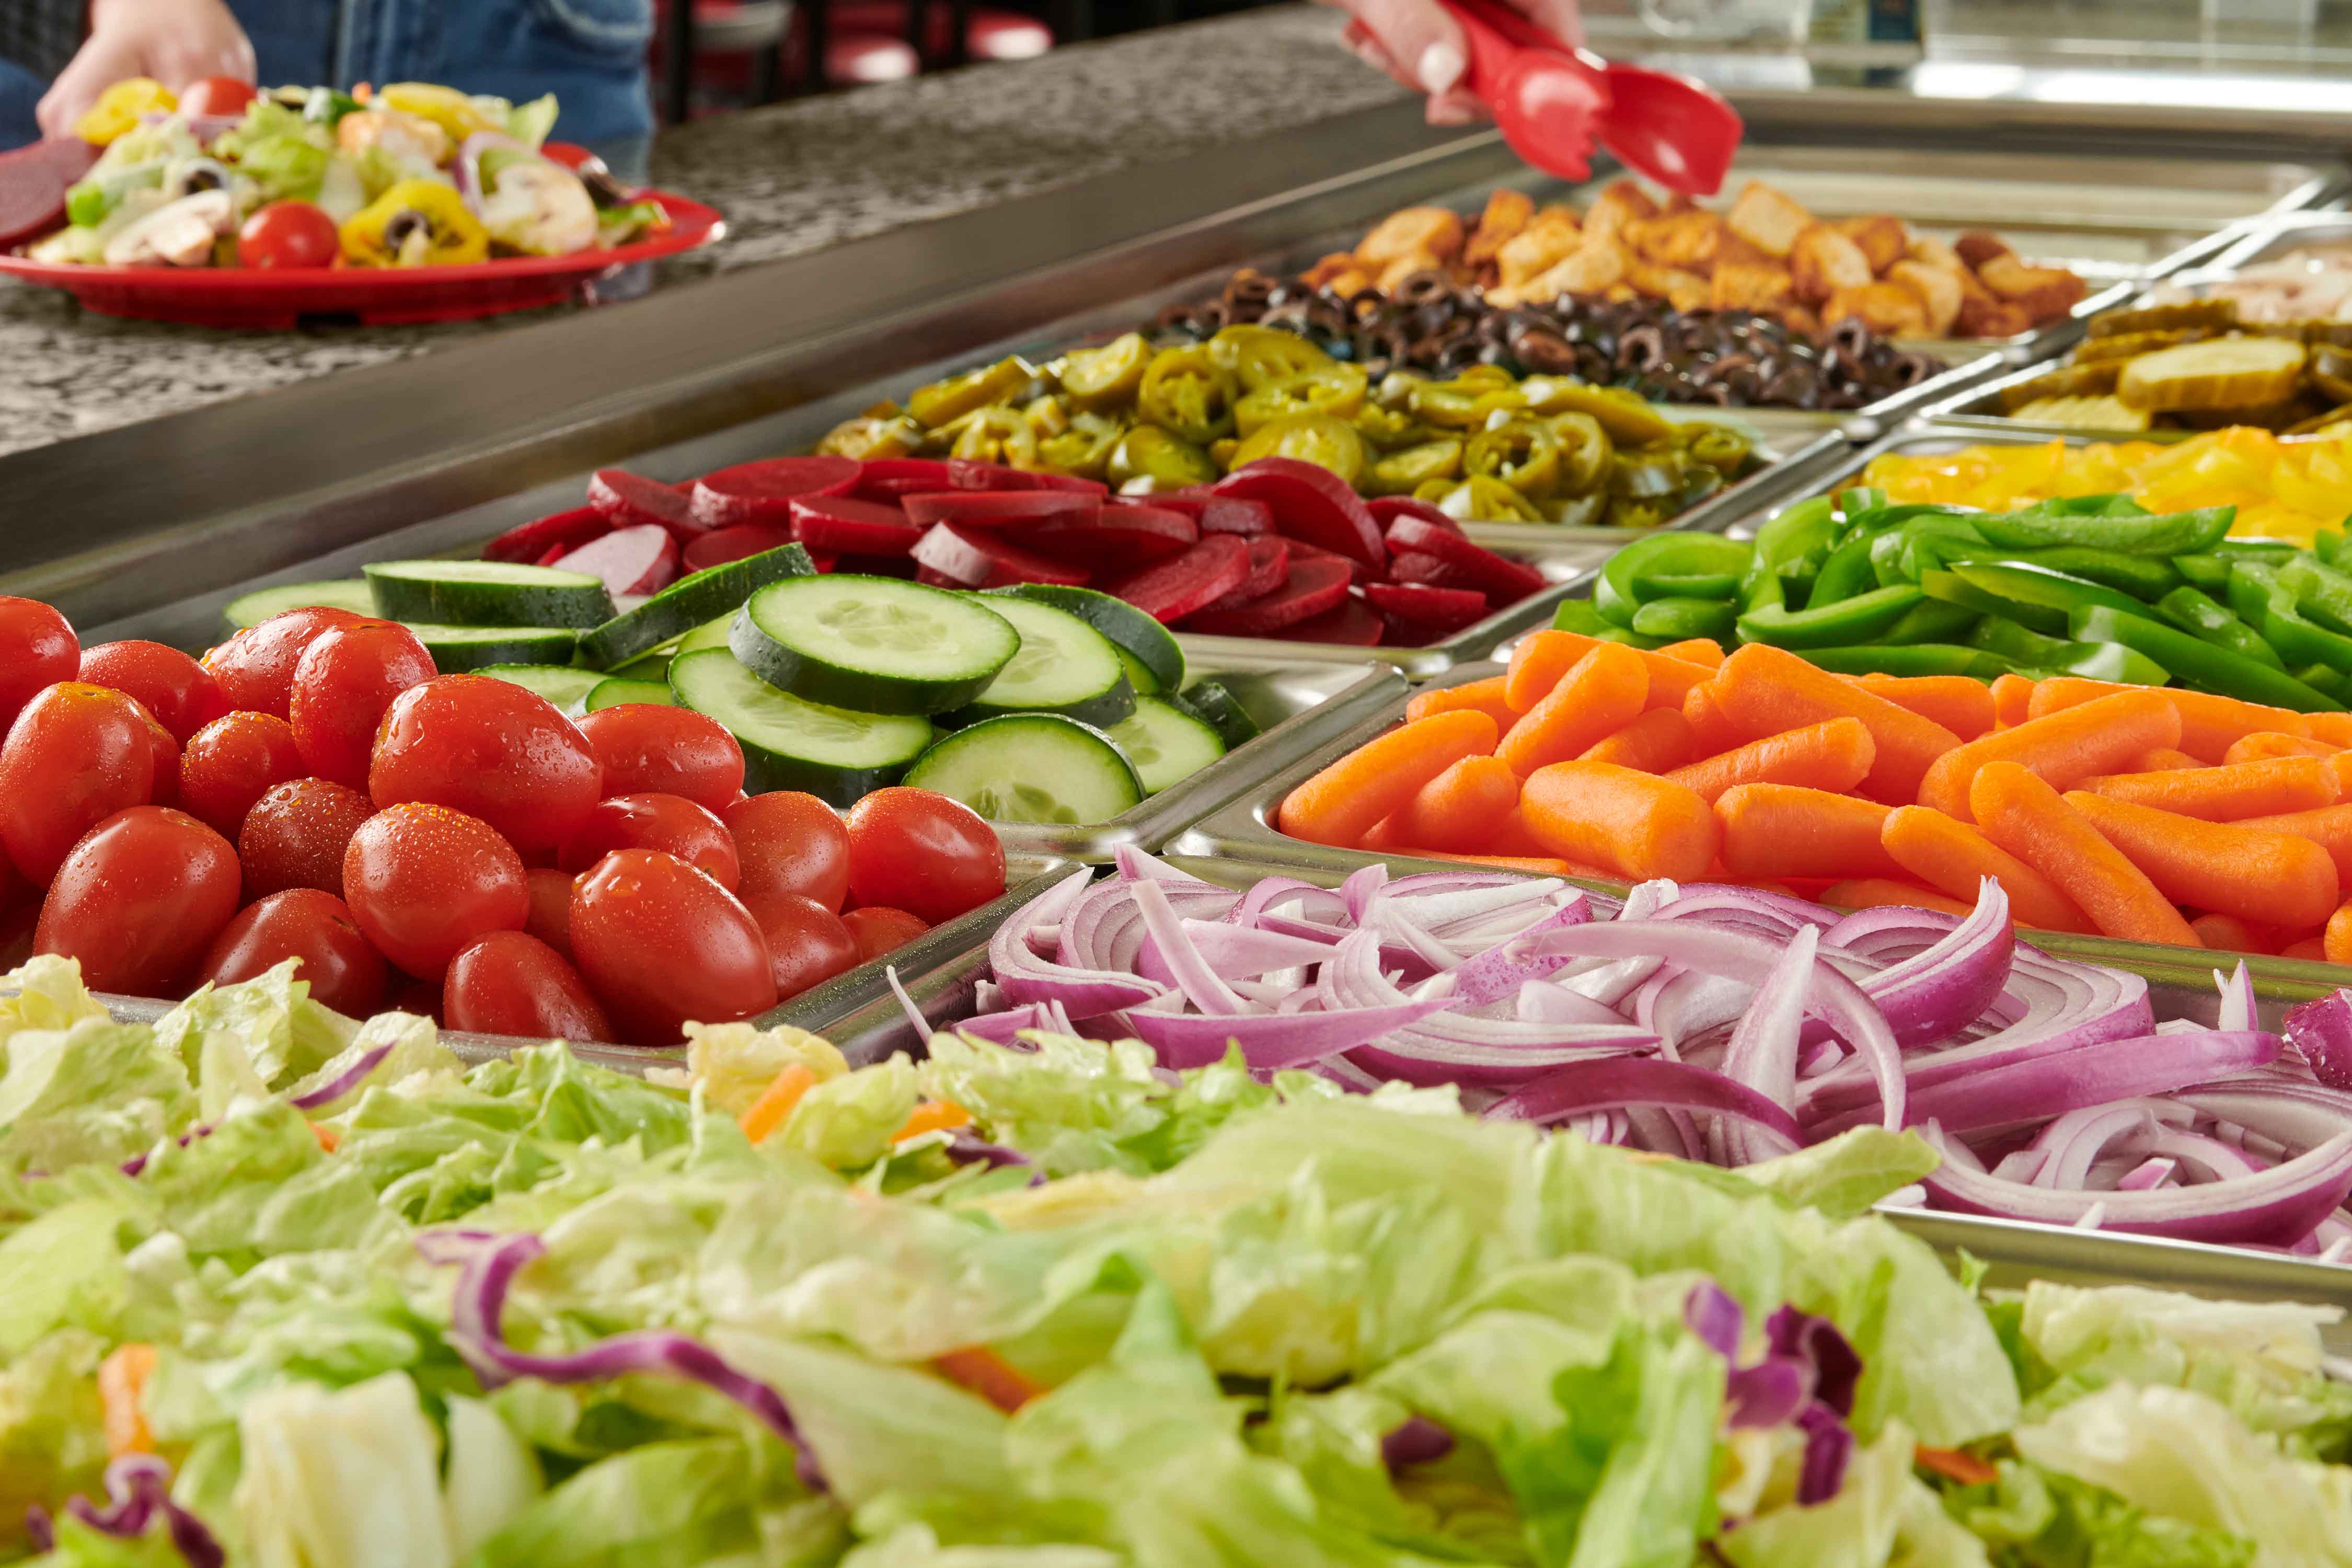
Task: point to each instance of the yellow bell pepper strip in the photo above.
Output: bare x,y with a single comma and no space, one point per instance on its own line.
417,222
118,109
452,110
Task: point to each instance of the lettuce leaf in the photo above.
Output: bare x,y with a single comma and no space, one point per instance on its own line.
2056,1520
96,1093
341,1479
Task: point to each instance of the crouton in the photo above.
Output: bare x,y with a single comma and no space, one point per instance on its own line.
1430,231
1350,283
1621,294
1888,309
1767,219
1930,251
1507,214
1329,268
1405,266
1534,251
1623,202
1663,282
1938,291
2044,293
1686,240
1882,236
1594,267
1825,261
1984,315
1976,247
1731,250
1748,285
1688,291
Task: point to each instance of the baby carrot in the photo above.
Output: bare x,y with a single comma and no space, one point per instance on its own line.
2311,947
121,1384
2330,827
2229,792
1543,657
1340,804
1633,824
1787,830
2208,723
1541,865
1953,857
1695,650
2025,816
2336,943
1963,706
1765,689
2336,729
2271,744
1458,809
2063,748
1711,732
2012,695
1658,741
776,1102
1834,755
2218,865
1604,692
2228,934
2163,760
1877,892
1477,696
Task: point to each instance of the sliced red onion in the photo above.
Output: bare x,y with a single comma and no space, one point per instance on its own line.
2240,1009
1271,1042
1763,1050
1625,1082
1829,1445
469,164
2322,1031
1026,975
343,1082
2296,1117
1496,972
138,1489
1191,973
2145,1175
1415,1441
1927,996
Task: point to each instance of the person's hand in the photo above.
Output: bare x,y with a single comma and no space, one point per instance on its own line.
1417,43
174,41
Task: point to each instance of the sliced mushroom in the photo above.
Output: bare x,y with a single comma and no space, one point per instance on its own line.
177,234
539,208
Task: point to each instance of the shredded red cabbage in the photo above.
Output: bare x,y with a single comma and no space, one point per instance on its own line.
1806,1375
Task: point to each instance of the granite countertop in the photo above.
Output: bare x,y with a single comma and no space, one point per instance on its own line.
792,178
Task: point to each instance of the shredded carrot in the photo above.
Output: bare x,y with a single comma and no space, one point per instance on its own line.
121,1380
774,1107
1954,1464
932,1116
329,1139
989,1375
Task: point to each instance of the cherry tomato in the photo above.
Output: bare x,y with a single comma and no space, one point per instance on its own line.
216,95
287,235
75,756
420,997
550,908
296,836
13,886
166,682
511,983
661,945
426,882
791,843
163,754
491,749
915,850
231,762
17,923
140,899
878,929
341,967
37,650
343,682
673,751
669,822
807,943
255,666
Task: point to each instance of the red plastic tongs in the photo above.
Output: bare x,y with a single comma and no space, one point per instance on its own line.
1552,101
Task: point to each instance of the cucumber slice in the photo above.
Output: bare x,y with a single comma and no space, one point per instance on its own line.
1155,663
1064,665
486,594
457,649
567,688
876,645
1031,767
789,743
613,691
710,634
691,602
1223,711
350,593
654,665
1166,744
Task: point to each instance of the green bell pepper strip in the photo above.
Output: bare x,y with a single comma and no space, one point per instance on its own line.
1859,502
2276,552
1919,659
1900,554
2145,577
2172,533
1848,623
2328,546
1580,616
2029,650
2043,600
2207,574
2321,592
2198,664
1931,620
1689,585
1802,533
1845,574
2268,605
2337,683
1623,584
1676,619
2200,616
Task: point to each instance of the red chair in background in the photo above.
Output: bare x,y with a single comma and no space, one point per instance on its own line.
743,47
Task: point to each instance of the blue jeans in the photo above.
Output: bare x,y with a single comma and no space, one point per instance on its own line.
590,53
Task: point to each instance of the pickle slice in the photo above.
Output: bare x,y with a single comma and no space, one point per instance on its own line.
2083,414
2192,315
2334,422
2282,415
2338,333
2219,372
2131,345
2068,381
2330,372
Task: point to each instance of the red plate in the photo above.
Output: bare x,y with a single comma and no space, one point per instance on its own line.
275,302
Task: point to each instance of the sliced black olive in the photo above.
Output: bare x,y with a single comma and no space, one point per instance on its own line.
403,224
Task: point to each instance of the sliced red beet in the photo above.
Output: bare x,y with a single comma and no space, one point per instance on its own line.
888,478
631,499
1238,515
851,564
1314,588
1309,504
930,577
1115,539
1269,569
34,181
1353,624
859,527
1190,500
1075,484
1502,581
981,558
566,530
1302,551
1193,579
1421,569
1423,614
638,560
1386,509
721,545
971,474
763,491
998,509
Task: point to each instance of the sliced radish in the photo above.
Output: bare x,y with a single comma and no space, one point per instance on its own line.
1502,581
1418,613
1192,580
560,530
1315,587
630,499
859,527
721,545
555,553
999,509
639,560
1353,624
1309,504
1116,538
980,558
763,491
